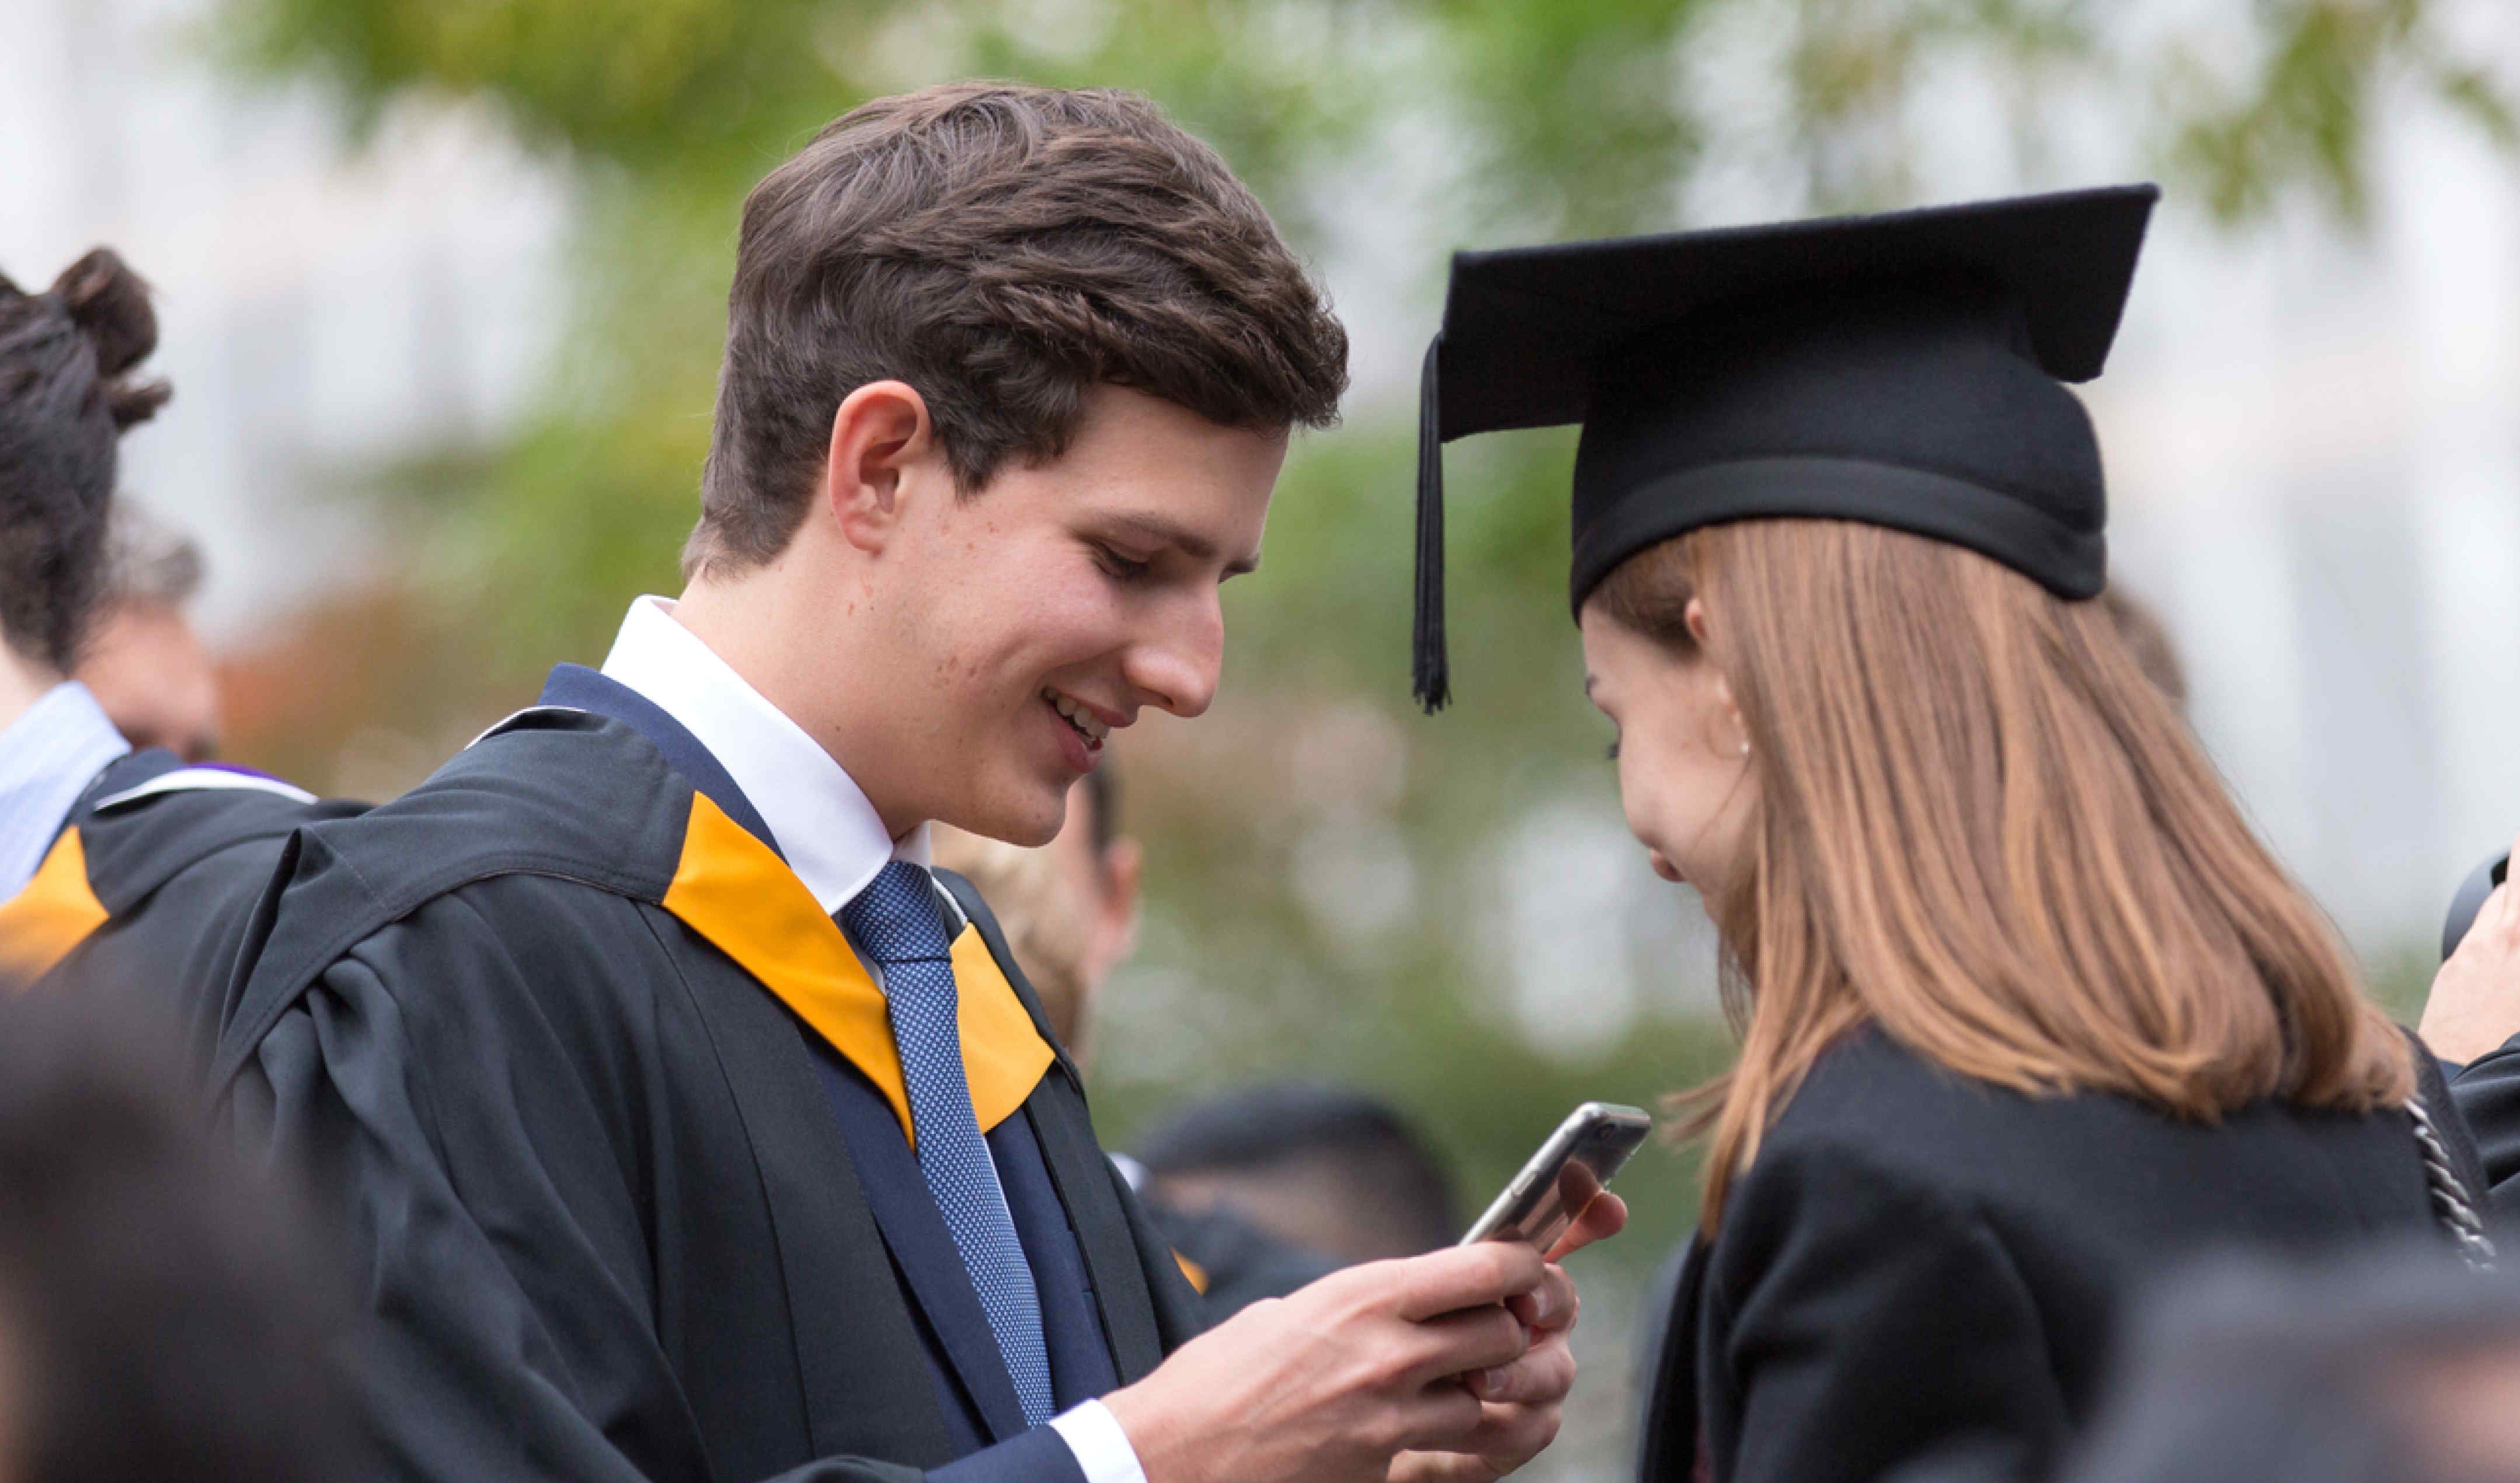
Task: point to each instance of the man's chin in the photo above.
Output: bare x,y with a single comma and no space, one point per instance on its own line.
1027,818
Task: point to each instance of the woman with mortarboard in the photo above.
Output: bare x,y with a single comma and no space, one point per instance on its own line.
2027,1014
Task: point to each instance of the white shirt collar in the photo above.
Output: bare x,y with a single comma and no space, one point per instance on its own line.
832,836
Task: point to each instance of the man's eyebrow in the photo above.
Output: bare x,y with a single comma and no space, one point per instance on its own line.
1190,543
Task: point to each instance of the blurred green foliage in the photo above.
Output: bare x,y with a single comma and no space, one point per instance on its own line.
1502,119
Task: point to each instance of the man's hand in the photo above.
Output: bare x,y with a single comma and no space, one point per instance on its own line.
1521,1403
1329,1384
2475,1003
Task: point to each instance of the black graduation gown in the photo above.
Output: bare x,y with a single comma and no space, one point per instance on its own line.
551,1033
146,893
2487,1091
1919,1271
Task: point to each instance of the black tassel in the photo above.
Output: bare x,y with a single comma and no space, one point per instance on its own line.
1430,668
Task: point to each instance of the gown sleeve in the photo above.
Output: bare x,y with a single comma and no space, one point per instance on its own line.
1860,1326
2487,1093
491,1227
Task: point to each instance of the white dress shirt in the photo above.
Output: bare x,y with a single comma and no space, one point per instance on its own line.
47,756
832,836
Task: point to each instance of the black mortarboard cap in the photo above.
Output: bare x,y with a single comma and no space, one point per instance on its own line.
1902,369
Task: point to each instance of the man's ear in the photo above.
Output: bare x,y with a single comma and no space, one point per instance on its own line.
881,443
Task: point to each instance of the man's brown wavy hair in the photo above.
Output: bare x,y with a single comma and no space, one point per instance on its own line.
1004,249
1980,827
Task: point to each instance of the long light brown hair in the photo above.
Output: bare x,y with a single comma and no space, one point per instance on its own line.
1980,827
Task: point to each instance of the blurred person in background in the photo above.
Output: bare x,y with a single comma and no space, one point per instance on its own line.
2026,1012
688,1125
1257,1192
2471,1020
165,1313
1068,908
119,870
144,663
2402,1368
1264,1188
68,393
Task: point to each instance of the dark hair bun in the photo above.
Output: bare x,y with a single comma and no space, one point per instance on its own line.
110,303
69,388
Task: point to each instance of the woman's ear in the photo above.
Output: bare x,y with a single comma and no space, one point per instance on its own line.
1694,617
880,437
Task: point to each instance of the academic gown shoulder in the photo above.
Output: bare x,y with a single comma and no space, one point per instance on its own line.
580,1162
147,893
1920,1271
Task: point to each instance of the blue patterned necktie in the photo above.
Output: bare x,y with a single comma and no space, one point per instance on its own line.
895,922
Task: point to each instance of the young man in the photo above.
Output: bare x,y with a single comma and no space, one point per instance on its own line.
681,1124
121,872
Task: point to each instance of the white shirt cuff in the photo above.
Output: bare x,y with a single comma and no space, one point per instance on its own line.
1102,1448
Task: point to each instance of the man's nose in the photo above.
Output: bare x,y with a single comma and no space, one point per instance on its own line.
1175,665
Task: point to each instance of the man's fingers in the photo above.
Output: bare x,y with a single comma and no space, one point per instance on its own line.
1505,1438
1544,1376
1441,1418
1551,1305
1462,1277
1467,1343
1442,1466
1606,1217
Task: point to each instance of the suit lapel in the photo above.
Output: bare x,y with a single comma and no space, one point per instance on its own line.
731,887
1080,1171
922,1248
858,1348
1083,1175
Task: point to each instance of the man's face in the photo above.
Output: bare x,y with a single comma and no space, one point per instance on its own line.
1050,608
150,672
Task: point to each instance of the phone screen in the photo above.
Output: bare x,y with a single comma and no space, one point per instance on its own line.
1574,1165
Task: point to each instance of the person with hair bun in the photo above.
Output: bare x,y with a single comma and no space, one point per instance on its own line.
2027,1015
65,397
116,869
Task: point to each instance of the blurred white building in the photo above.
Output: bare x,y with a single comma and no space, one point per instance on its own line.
2314,456
320,307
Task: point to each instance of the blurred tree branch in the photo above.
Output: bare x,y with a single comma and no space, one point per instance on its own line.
1504,118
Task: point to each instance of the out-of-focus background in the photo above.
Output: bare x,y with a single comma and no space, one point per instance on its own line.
441,284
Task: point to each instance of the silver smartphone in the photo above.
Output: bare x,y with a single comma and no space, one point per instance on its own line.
1562,1179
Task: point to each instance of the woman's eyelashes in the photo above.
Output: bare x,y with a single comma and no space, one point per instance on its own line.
1612,751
